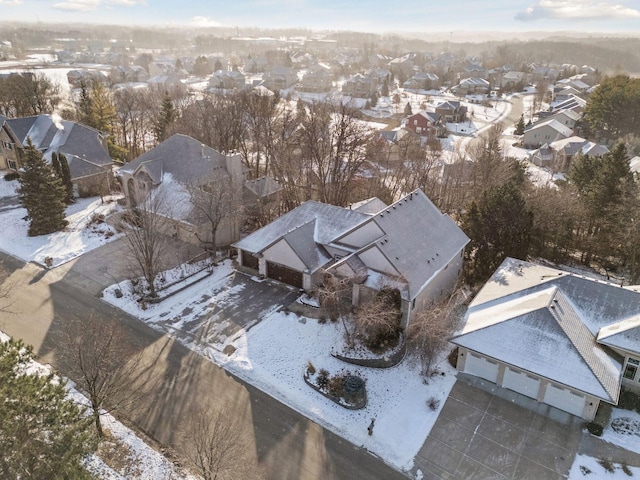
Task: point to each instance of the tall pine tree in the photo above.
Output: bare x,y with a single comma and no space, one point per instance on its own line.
43,434
61,167
41,193
165,119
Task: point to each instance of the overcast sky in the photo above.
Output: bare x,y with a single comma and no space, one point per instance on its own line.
363,15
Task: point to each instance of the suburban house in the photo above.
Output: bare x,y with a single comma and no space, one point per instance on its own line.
471,86
318,79
566,117
360,86
427,124
409,245
572,103
452,111
513,79
565,149
227,80
280,78
422,81
563,339
84,148
177,171
545,132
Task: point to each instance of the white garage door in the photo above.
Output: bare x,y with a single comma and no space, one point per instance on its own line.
481,367
521,382
565,400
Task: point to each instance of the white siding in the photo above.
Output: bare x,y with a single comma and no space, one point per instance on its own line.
521,382
283,254
364,235
564,400
481,367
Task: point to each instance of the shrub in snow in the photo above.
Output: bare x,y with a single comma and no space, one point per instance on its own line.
594,429
607,465
433,403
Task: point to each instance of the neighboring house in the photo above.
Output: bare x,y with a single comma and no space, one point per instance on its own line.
452,111
78,78
360,86
280,78
379,74
574,103
169,82
426,124
403,65
562,339
177,169
422,81
227,80
566,149
471,86
318,79
84,148
513,79
545,132
566,117
410,245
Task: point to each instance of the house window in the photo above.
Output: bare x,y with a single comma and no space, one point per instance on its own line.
12,165
631,369
7,145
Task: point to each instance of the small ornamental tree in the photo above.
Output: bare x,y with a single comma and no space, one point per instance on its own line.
41,193
407,109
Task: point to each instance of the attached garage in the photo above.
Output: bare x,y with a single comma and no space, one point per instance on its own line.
521,382
565,399
481,367
284,274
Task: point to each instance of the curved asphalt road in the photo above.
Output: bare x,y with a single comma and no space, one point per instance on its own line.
286,444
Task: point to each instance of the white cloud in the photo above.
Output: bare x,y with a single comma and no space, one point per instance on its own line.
577,9
78,5
10,2
201,21
127,3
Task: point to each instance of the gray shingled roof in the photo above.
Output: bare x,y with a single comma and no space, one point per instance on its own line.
263,186
542,333
186,159
331,222
590,313
301,241
420,240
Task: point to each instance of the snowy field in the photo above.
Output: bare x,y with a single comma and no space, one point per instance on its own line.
143,462
80,236
275,363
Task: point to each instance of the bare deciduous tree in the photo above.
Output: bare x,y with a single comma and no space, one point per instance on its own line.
145,227
334,295
215,446
378,321
103,362
431,328
215,201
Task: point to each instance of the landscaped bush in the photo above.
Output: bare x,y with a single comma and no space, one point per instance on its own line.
629,401
379,322
335,386
453,358
607,465
594,429
433,403
11,176
323,378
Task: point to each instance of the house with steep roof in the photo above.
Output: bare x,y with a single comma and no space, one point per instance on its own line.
422,81
84,148
317,79
471,86
565,340
359,86
543,132
280,78
452,111
409,245
428,124
177,172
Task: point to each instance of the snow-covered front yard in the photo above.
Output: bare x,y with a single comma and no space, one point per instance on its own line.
84,232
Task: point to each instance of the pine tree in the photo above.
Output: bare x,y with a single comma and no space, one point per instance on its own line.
41,193
374,99
165,119
384,91
43,434
61,167
520,126
407,109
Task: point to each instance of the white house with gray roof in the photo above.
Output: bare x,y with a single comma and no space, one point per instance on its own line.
544,133
410,245
562,339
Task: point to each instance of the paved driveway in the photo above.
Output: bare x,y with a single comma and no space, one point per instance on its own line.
480,435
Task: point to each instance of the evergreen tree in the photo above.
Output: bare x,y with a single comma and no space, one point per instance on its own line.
41,193
407,109
384,91
61,167
520,126
374,100
499,225
165,119
43,434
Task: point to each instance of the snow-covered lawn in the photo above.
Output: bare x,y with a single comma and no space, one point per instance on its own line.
274,354
589,468
142,462
81,235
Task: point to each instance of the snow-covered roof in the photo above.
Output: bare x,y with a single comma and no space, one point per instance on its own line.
554,324
370,206
263,186
555,125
